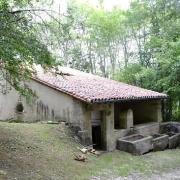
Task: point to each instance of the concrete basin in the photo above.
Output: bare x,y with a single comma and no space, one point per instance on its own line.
174,140
170,127
136,144
160,142
173,130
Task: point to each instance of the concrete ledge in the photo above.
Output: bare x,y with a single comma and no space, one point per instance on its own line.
147,129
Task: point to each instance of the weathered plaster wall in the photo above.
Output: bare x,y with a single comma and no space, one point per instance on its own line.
50,105
149,111
54,105
8,105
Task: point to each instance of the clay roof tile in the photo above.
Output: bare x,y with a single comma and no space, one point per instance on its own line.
92,88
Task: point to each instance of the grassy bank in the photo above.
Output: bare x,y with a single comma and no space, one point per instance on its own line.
44,151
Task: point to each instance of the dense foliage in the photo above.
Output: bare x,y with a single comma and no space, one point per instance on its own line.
19,43
159,50
140,46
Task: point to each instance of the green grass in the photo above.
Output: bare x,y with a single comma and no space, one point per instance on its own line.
47,151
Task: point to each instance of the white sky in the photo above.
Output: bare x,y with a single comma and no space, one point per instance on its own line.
108,4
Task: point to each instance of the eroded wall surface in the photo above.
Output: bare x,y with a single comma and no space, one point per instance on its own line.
48,105
8,101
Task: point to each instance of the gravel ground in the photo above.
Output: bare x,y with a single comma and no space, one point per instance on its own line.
171,175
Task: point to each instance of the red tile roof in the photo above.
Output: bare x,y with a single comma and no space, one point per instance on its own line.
94,89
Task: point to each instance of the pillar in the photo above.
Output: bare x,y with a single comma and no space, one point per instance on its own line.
129,122
108,128
159,111
126,119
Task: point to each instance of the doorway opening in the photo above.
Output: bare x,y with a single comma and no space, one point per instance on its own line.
96,122
96,137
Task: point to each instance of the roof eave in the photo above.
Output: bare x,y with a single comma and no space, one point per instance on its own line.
101,101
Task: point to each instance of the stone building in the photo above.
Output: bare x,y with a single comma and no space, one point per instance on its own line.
99,110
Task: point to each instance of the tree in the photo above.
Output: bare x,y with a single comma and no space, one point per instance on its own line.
141,44
159,54
91,39
19,44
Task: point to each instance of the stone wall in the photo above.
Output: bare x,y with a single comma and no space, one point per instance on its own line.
148,128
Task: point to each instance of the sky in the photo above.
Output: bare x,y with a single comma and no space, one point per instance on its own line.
108,4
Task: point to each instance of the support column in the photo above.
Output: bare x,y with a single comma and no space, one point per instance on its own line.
130,122
159,111
88,128
126,118
86,133
108,125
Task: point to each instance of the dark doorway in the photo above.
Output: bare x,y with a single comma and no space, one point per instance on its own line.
19,107
97,133
96,137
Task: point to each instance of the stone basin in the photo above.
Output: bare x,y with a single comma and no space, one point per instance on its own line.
136,144
174,140
160,142
170,127
173,130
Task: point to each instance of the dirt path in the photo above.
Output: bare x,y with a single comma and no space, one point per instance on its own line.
171,175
